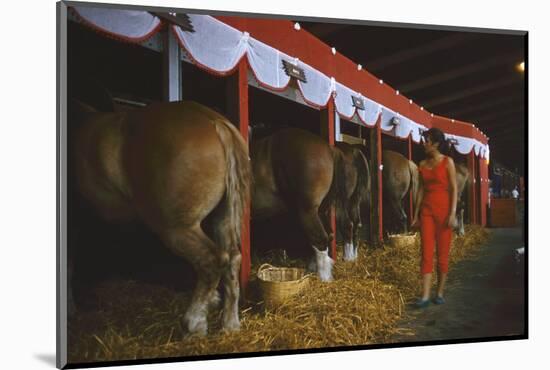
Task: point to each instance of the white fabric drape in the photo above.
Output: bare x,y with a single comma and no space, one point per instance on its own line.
465,145
318,88
213,45
131,24
266,63
218,48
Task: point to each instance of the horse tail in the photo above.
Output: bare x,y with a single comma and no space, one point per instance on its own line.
467,185
337,193
237,182
413,170
363,187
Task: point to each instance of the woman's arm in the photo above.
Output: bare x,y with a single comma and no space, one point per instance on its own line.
451,171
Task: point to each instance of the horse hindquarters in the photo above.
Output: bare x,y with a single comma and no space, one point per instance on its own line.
191,169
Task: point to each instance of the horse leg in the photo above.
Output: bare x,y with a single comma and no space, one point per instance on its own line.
461,231
345,227
231,291
192,244
325,211
356,220
325,214
318,239
404,220
400,213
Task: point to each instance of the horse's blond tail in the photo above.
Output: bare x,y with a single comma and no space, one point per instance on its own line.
363,187
337,193
237,181
413,170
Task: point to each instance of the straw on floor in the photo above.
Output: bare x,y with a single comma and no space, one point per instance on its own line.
362,306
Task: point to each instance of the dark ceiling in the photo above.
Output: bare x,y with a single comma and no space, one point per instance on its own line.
469,76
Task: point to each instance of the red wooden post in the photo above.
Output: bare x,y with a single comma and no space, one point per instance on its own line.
473,206
237,112
379,170
484,189
375,145
243,127
411,198
327,130
521,188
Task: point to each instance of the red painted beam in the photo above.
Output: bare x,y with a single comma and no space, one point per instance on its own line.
327,120
242,87
378,168
411,198
472,188
484,189
301,44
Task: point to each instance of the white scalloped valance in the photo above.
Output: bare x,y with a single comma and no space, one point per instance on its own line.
344,105
403,127
212,45
218,48
465,145
132,25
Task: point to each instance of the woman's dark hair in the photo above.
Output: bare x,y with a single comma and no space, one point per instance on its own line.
437,136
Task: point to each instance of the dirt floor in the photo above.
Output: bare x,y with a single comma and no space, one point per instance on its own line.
485,297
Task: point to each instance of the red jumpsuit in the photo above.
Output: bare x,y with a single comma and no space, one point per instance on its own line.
434,213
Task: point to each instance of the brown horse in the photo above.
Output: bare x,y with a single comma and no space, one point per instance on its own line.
462,178
172,166
399,175
295,171
357,192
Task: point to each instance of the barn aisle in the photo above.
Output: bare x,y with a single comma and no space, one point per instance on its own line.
485,297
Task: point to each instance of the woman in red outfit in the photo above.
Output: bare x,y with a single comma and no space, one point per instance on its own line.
437,196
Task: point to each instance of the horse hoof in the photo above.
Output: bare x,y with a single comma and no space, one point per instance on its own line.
231,325
197,326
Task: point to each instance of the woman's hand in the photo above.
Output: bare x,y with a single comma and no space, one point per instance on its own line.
451,220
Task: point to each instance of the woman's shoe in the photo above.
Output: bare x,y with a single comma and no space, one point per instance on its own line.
422,303
439,300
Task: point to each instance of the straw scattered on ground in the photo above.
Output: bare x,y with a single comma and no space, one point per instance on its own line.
362,306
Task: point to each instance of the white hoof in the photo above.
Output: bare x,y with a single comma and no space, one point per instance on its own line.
231,323
348,252
324,264
196,324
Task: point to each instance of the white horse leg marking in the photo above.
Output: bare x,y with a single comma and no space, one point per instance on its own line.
195,316
461,231
231,288
312,265
348,252
195,246
324,264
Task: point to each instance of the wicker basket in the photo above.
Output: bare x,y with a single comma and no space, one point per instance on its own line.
278,284
401,240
